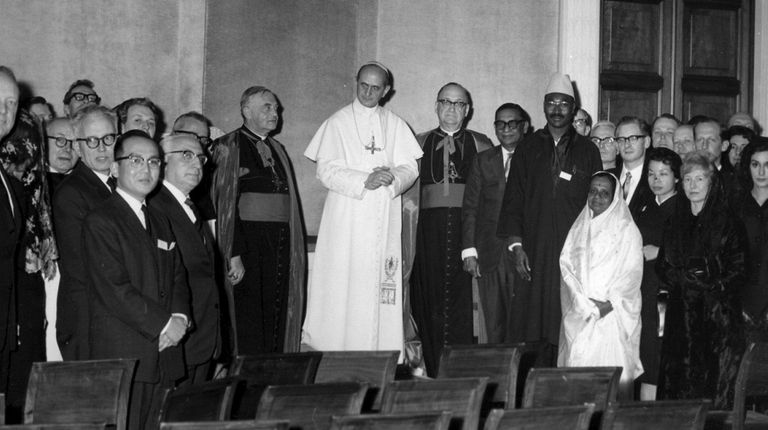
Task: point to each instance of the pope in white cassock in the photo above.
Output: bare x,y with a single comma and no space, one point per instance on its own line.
366,157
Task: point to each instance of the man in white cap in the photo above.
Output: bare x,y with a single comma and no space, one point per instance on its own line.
546,189
366,158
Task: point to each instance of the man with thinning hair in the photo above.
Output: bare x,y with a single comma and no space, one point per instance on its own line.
79,95
260,229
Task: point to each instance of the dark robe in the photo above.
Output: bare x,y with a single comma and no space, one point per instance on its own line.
441,291
702,264
754,292
651,220
546,190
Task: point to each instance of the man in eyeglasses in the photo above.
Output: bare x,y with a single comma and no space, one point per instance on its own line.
198,126
60,140
84,189
582,122
602,136
184,162
633,138
484,255
546,189
259,229
440,289
138,290
79,95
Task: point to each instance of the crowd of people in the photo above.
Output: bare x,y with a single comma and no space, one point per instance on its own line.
627,244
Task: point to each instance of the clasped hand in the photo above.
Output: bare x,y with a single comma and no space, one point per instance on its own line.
177,328
381,176
604,307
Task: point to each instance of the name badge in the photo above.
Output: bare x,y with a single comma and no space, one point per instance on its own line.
565,175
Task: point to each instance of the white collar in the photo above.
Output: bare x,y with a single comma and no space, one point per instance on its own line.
635,171
176,192
103,179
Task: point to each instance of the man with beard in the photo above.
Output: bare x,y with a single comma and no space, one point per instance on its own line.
547,187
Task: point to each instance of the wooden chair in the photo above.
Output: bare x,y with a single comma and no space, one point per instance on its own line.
461,396
751,382
571,386
70,426
262,370
95,391
2,409
311,406
413,421
558,417
377,368
498,362
210,401
227,425
658,415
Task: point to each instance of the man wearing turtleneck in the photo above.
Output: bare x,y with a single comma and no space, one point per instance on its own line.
366,158
260,231
440,289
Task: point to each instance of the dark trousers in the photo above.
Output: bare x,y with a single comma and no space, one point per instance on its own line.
261,299
197,374
145,403
496,289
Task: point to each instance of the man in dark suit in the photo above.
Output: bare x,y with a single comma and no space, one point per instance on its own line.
484,254
184,161
84,189
138,292
10,228
634,139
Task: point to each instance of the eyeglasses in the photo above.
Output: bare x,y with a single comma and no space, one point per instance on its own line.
61,142
581,122
93,141
189,156
205,141
559,103
93,98
137,161
459,104
603,142
512,123
631,139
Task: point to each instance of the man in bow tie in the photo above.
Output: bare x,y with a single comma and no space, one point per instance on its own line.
440,289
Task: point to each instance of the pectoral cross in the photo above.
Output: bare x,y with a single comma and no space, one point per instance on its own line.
372,147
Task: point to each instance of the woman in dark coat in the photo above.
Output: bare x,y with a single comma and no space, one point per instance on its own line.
752,209
701,265
664,181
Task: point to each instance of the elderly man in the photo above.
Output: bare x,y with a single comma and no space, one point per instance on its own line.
683,139
663,129
743,119
633,140
184,161
79,95
137,292
198,126
484,255
11,223
440,289
603,137
84,189
366,157
547,187
138,114
61,153
582,122
260,229
707,137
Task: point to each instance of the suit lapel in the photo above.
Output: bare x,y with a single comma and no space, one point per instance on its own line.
7,199
138,230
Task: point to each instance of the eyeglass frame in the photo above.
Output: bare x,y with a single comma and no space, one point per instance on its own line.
205,141
99,140
58,139
458,104
602,142
631,139
508,124
133,158
201,156
94,98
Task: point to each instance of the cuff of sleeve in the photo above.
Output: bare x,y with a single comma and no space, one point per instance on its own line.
469,252
512,246
182,316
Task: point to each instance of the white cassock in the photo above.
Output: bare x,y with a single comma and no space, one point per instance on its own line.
602,259
355,294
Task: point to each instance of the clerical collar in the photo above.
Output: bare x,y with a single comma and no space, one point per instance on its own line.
245,127
450,133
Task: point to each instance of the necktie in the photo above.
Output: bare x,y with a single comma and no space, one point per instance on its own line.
507,163
198,220
112,183
449,147
627,182
147,225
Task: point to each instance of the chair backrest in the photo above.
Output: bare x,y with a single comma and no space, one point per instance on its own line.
658,415
377,368
227,425
311,406
557,417
751,381
498,362
68,426
94,391
571,386
209,401
412,421
460,396
294,368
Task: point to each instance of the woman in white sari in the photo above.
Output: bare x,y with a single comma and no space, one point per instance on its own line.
602,266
